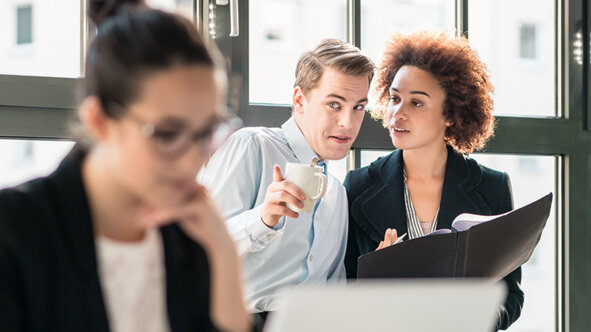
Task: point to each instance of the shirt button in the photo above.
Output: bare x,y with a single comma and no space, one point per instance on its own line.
311,258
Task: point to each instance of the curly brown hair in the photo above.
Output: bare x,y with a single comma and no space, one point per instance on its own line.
464,78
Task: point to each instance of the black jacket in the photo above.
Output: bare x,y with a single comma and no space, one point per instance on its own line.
376,202
48,266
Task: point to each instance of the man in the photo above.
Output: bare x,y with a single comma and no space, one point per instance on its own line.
280,247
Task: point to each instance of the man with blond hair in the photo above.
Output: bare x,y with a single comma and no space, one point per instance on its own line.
282,248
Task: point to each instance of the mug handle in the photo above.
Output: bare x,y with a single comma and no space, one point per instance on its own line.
322,189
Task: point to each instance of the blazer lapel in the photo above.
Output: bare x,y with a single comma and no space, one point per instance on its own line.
79,234
177,268
459,194
187,281
381,206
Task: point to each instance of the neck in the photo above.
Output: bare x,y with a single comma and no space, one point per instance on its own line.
425,163
114,210
297,120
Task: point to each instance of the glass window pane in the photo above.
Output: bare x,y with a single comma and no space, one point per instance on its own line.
23,160
539,273
278,38
368,156
527,41
520,53
24,25
379,18
182,7
40,38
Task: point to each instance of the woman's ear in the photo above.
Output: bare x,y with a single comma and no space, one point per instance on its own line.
93,118
298,100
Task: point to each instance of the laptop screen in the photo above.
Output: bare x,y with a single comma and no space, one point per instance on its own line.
392,305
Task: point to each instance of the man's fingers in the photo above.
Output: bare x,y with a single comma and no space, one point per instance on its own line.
282,198
294,190
281,210
288,187
277,175
274,211
278,202
279,183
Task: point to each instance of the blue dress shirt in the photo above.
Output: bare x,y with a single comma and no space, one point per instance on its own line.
310,248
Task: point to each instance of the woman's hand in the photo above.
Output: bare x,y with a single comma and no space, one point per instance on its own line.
390,238
199,219
197,216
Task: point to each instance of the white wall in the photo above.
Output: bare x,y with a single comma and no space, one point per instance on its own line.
55,50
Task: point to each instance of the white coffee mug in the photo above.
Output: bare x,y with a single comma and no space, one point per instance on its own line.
310,179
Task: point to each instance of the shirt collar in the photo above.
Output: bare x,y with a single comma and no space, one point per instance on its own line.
298,143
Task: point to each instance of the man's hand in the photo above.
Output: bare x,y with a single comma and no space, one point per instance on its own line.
278,194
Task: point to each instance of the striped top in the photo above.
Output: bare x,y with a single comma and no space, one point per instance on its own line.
415,228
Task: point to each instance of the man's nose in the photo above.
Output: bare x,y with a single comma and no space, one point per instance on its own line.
346,119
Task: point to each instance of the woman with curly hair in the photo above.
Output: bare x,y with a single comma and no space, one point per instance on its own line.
434,97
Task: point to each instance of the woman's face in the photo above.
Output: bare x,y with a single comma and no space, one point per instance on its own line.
154,148
415,111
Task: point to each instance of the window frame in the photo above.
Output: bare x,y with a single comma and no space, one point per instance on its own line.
35,107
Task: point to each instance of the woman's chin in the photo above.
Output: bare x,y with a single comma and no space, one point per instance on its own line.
397,144
166,200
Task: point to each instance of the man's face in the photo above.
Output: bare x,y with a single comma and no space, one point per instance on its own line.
330,115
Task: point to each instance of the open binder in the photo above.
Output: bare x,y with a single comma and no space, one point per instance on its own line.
491,249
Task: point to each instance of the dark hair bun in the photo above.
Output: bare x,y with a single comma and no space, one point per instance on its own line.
100,10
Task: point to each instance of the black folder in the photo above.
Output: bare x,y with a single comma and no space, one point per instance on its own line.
492,249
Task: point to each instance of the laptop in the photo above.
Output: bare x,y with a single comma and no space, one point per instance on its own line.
391,305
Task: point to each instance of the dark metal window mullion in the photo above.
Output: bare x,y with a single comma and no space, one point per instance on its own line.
354,22
462,18
586,40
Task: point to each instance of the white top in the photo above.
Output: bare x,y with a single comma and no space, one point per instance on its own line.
304,250
415,227
426,227
133,283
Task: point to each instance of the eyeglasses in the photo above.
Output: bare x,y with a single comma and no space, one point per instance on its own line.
173,141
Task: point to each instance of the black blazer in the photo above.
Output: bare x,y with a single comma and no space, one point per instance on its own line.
48,267
376,202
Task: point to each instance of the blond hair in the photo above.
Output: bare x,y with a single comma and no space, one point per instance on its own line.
335,54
